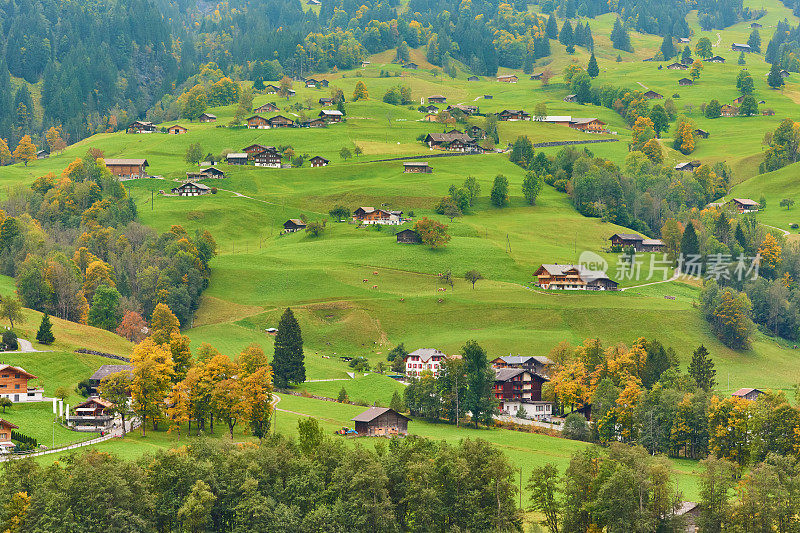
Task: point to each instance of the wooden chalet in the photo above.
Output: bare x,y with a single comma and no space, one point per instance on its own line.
14,385
747,394
473,78
257,122
140,126
741,47
430,117
437,99
626,240
507,115
685,81
533,363
594,125
744,205
536,77
381,422
412,66
279,121
687,166
572,98
95,413
127,168
206,173
271,89
267,158
5,435
755,25
417,167
254,149
318,161
408,236
269,107
573,277
508,78
729,110
652,95
684,40
311,83
738,101
207,117
701,133
176,130
715,59
468,110
476,132
517,384
237,158
325,102
44,153
191,188
370,215
431,109
677,66
453,142
314,123
331,115
294,224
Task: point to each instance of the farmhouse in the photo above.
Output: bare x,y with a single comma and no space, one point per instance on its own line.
14,385
381,421
95,413
560,120
254,149
127,168
701,133
685,81
140,126
430,117
741,47
715,59
533,363
257,122
269,107
466,109
684,40
768,112
325,102
473,78
408,236
5,435
370,215
454,142
318,161
653,245
293,224
652,95
331,115
105,371
588,124
44,153
729,110
739,100
516,388
571,98
755,25
687,166
207,117
512,115
176,130
311,83
237,158
437,99
626,240
431,109
279,121
191,188
271,89
747,394
267,158
206,173
476,133
424,359
745,205
412,66
417,167
508,78
315,123
677,66
573,277
536,76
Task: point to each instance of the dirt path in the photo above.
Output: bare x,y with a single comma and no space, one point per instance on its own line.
675,276
719,40
645,87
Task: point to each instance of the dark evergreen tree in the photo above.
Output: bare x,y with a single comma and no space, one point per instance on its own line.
686,55
774,78
701,369
552,27
689,245
739,236
45,333
288,363
667,47
566,36
480,380
620,38
754,41
592,69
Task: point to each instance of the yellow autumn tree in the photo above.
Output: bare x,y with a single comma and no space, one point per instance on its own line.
728,434
652,149
54,139
626,409
5,153
15,512
684,138
151,381
571,384
25,150
257,400
643,132
97,273
360,92
163,324
770,252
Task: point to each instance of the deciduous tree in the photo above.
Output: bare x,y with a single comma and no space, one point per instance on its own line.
151,380
25,150
432,232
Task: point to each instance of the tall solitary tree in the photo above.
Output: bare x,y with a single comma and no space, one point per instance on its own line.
667,47
531,187
701,369
45,333
689,244
774,78
480,380
26,150
592,69
499,194
288,362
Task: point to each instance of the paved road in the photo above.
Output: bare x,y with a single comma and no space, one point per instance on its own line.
25,347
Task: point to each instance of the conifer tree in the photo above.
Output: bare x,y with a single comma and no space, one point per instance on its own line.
288,362
592,69
774,79
45,333
701,369
566,36
552,27
689,244
620,38
667,48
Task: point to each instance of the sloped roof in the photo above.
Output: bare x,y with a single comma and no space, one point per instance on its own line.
296,222
629,236
415,164
198,185
425,354
8,424
741,393
106,370
237,155
585,274
653,242
746,201
374,412
504,374
331,112
137,162
450,137
17,369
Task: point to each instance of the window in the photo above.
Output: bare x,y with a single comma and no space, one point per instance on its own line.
16,386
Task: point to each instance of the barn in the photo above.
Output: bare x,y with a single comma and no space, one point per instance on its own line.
381,421
191,188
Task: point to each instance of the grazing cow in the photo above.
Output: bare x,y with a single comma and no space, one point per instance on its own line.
374,286
364,280
375,273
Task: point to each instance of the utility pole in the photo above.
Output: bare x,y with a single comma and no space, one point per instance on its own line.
520,488
458,411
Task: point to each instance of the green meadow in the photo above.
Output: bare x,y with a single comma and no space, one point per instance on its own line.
357,292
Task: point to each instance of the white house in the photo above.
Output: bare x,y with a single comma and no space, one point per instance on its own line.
14,385
423,359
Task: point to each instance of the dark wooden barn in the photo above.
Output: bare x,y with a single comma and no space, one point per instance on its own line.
381,421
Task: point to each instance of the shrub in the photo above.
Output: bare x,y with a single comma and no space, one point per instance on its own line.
10,340
576,427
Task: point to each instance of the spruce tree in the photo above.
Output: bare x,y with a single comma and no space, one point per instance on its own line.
774,79
480,380
566,36
689,245
592,69
701,369
288,362
739,236
552,27
667,48
686,55
397,403
45,333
